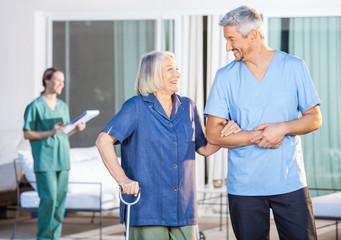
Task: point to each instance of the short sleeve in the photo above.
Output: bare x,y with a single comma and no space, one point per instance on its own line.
123,124
306,92
217,103
200,139
30,117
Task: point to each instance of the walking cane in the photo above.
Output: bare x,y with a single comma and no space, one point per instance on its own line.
128,210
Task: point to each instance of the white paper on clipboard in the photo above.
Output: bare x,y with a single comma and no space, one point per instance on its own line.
86,116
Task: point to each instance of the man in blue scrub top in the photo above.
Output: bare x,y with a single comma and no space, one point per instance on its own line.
263,91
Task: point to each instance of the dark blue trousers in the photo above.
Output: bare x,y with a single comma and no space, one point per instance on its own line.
293,214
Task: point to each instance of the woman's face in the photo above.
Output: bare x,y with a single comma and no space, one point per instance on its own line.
56,84
170,75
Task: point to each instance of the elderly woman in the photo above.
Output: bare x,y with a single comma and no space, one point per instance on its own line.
159,133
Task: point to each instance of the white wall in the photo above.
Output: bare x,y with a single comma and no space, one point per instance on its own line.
18,55
16,61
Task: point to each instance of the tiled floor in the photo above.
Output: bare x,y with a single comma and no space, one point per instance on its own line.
79,227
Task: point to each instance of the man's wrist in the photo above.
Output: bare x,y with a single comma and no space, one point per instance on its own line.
285,127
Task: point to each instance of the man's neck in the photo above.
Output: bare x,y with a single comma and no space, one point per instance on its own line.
258,61
260,56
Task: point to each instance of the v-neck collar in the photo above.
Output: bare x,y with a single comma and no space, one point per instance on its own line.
267,70
52,110
155,104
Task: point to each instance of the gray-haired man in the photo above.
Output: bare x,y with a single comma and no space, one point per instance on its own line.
263,91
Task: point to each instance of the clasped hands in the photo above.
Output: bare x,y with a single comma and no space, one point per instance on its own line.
270,135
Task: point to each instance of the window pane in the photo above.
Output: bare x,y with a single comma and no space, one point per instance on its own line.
90,80
100,60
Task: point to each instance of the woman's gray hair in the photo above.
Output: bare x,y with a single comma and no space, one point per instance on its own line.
245,19
149,76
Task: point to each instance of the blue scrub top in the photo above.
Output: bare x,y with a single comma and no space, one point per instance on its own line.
159,153
285,90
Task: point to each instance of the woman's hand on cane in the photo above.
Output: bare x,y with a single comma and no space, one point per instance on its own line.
129,186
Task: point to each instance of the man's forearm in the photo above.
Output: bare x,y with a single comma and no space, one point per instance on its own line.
214,128
303,125
273,133
240,139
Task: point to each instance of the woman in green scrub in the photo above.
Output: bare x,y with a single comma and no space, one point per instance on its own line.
44,123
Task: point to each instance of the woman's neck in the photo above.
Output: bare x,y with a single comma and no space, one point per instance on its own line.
50,99
49,96
166,101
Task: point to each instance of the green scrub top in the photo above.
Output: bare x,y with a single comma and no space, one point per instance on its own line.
52,153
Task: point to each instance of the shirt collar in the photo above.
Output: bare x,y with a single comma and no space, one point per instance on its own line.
155,104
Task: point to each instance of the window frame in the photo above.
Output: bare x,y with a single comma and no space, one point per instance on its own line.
44,33
292,12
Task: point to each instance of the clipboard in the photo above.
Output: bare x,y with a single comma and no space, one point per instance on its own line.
84,117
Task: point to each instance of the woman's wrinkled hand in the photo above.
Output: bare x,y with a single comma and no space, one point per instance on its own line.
129,186
230,128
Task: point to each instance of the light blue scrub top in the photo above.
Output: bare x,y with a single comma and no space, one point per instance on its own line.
285,90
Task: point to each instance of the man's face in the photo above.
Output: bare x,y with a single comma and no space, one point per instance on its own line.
236,43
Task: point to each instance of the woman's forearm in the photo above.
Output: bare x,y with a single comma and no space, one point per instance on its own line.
105,146
36,135
208,149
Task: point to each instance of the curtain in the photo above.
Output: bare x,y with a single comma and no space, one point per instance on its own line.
317,40
167,43
132,39
191,83
274,35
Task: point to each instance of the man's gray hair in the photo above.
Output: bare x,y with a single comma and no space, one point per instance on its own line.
149,75
245,19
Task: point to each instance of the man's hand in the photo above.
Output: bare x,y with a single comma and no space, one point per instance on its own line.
271,135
